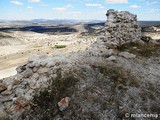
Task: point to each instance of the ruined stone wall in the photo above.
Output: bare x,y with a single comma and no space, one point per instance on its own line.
120,27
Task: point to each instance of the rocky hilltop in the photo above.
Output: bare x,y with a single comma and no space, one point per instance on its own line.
118,75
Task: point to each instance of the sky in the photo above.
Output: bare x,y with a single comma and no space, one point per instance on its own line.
76,9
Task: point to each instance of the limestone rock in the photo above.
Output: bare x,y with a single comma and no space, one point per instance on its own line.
111,58
146,39
3,114
21,68
9,88
42,70
127,55
2,87
6,92
27,73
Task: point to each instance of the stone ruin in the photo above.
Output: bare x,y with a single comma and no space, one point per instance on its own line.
121,27
16,93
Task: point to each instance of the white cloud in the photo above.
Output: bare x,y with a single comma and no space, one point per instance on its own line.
43,5
116,1
63,9
75,13
68,6
16,2
154,10
34,1
59,9
141,0
29,7
103,12
94,5
153,3
134,6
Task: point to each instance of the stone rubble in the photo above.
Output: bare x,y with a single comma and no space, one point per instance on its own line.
111,58
127,55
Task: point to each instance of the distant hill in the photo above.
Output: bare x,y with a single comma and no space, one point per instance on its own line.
54,21
141,23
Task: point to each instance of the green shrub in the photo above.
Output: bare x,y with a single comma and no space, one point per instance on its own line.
60,46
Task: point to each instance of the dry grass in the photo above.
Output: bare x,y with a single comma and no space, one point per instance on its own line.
120,76
44,105
144,50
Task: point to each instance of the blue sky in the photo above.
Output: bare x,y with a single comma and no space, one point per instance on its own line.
76,9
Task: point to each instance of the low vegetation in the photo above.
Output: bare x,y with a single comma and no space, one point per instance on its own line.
139,49
107,88
44,105
60,46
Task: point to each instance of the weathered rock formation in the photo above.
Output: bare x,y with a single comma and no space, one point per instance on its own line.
95,86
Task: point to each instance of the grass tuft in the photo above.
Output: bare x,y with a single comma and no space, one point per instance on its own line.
60,46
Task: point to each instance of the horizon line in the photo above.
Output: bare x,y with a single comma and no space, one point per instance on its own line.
10,20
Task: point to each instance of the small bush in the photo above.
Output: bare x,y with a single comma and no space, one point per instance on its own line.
60,46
